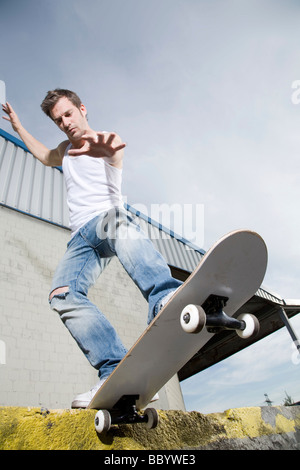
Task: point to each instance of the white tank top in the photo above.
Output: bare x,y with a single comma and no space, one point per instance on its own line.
93,186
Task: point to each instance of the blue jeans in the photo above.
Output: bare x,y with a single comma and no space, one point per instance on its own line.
88,253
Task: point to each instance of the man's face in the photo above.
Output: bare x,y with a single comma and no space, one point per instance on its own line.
71,120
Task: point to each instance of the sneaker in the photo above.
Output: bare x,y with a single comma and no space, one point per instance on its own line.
83,400
166,299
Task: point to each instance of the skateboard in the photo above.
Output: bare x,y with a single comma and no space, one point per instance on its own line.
228,275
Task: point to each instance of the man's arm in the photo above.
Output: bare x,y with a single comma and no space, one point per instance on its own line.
40,151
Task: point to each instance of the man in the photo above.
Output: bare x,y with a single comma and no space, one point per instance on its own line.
100,229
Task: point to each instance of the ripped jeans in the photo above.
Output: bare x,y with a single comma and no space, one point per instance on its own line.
88,253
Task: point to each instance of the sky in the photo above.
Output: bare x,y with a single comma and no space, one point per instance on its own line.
204,93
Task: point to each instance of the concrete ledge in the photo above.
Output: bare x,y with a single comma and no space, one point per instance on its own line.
266,428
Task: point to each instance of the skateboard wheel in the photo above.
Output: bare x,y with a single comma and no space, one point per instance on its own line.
252,325
192,319
102,421
153,418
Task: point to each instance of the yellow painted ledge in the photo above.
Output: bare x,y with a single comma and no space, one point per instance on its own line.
243,428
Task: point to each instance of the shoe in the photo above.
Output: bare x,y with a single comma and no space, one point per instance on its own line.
166,299
83,399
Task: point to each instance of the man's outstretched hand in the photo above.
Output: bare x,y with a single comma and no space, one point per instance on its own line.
100,145
12,117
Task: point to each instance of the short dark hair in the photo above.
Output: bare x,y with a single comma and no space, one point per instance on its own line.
53,96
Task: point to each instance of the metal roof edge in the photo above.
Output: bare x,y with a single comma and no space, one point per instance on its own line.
268,294
43,219
13,139
292,303
20,144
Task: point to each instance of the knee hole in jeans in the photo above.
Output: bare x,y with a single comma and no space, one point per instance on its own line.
58,291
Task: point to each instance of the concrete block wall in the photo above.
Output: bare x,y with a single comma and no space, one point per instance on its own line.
40,363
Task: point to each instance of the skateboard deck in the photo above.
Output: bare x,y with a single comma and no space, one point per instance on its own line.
229,273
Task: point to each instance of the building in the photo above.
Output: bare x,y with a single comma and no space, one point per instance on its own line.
40,364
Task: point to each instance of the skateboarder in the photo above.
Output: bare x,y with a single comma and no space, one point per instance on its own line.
100,229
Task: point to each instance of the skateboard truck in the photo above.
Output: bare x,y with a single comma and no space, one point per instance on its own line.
125,412
216,318
194,318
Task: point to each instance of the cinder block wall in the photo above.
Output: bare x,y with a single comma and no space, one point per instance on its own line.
40,364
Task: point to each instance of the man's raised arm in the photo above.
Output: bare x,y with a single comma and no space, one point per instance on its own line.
40,151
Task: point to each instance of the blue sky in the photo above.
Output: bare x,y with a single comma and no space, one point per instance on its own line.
201,91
